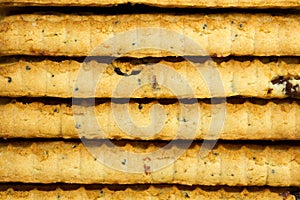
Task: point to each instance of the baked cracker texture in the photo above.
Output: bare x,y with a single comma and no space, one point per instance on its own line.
139,78
218,35
163,3
178,120
225,164
156,192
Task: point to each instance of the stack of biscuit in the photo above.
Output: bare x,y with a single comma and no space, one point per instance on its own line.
145,99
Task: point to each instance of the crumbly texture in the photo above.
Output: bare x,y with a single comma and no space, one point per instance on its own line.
152,192
217,34
227,164
162,3
139,79
152,121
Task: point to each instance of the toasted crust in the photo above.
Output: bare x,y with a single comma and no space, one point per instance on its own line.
275,121
227,164
237,78
152,192
217,34
162,3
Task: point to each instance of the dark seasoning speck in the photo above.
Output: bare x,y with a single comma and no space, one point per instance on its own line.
9,79
154,82
140,106
77,126
101,193
186,195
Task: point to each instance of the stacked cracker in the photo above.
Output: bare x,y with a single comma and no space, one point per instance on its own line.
254,52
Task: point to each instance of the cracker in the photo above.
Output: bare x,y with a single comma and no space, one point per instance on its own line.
135,78
217,34
163,3
143,192
225,164
256,121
